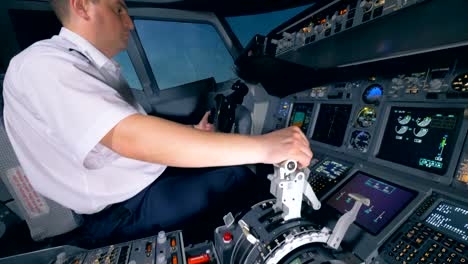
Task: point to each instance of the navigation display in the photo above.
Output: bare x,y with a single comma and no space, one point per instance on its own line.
300,116
332,169
386,201
421,138
450,219
331,123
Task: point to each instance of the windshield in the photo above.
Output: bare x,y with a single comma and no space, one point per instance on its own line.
245,27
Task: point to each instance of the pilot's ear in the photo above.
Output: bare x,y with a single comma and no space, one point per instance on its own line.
80,8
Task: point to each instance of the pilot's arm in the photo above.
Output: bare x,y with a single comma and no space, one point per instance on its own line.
161,141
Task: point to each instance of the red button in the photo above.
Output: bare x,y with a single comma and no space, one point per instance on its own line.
227,237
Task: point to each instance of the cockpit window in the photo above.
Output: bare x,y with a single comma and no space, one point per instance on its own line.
181,52
245,27
128,71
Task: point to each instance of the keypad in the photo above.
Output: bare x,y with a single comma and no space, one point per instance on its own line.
321,184
422,244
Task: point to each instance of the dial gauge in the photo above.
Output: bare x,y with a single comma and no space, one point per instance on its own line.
401,130
403,120
366,117
373,94
420,132
423,122
360,140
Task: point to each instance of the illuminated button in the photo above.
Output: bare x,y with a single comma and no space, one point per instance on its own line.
431,249
227,237
461,245
462,260
453,255
427,254
174,259
204,258
443,250
449,260
148,249
459,250
173,243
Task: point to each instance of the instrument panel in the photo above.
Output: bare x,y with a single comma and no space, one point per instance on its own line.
403,133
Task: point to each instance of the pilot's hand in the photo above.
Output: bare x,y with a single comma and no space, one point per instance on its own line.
204,124
287,144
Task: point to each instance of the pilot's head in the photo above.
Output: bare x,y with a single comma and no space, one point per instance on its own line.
104,23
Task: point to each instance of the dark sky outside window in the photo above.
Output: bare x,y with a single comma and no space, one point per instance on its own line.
181,53
245,27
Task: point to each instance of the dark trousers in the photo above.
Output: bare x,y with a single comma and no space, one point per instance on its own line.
192,200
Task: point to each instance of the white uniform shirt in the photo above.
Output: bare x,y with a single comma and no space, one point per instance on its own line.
62,96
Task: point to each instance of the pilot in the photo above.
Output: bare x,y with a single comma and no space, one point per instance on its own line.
84,141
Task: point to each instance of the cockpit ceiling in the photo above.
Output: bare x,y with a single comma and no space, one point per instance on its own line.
226,7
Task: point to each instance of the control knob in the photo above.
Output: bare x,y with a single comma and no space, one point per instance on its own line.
366,5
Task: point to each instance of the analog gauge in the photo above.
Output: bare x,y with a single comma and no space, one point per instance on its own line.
401,130
420,132
423,122
360,140
373,94
460,83
403,120
366,117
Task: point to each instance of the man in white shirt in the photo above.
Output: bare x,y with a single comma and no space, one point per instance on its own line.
84,141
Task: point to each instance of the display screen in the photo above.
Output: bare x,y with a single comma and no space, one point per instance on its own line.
332,169
386,201
300,115
373,94
331,123
450,219
421,138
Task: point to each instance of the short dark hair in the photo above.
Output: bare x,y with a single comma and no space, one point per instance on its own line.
60,8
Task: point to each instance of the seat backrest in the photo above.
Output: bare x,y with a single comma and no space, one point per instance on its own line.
45,218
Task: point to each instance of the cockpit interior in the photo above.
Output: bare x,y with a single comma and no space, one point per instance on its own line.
379,88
